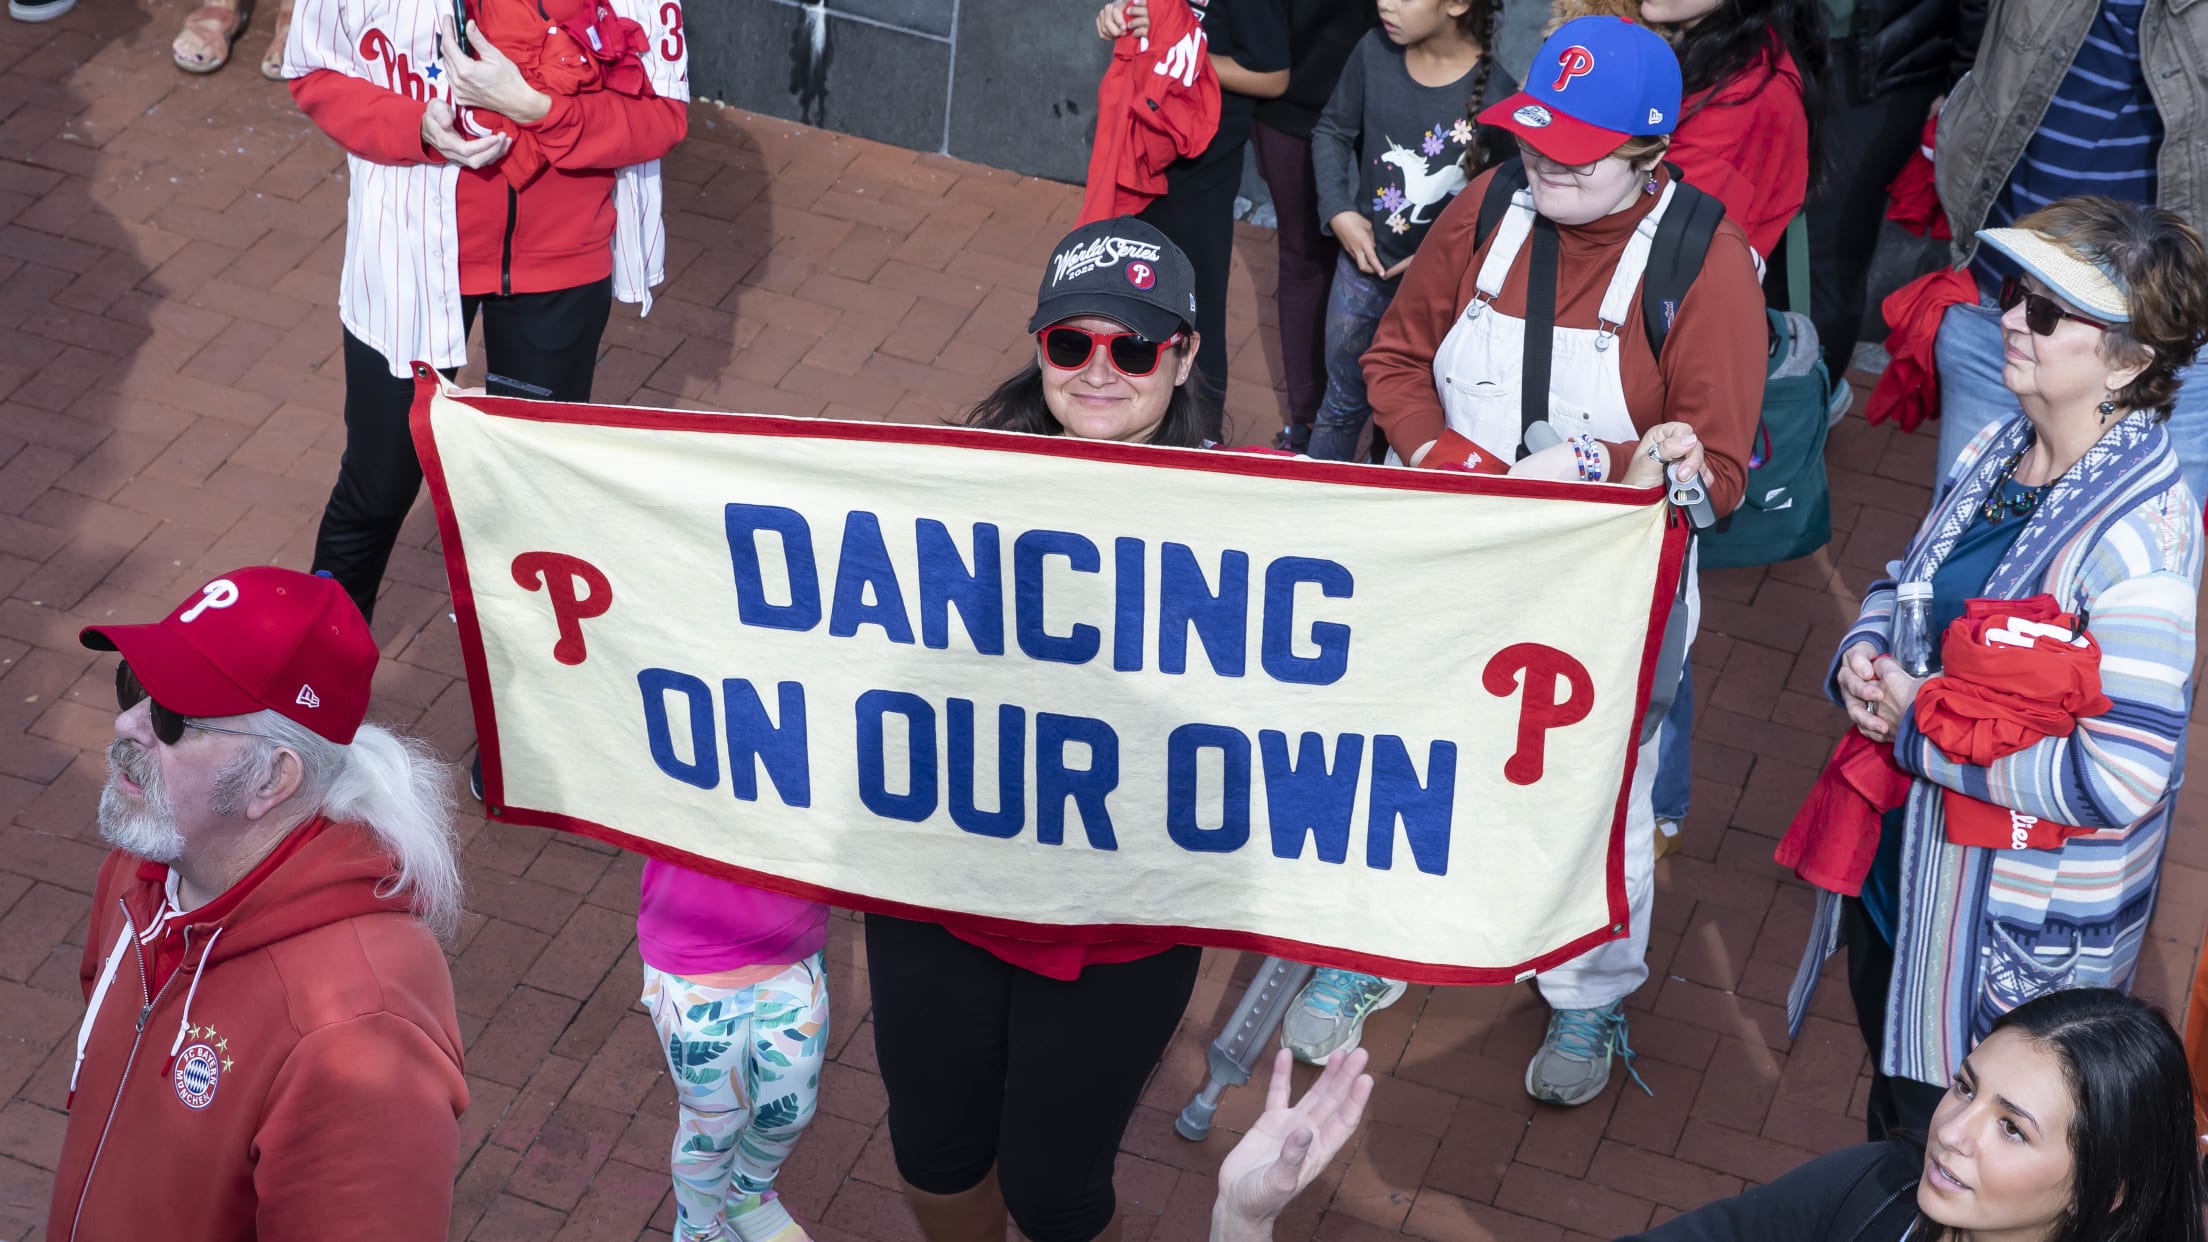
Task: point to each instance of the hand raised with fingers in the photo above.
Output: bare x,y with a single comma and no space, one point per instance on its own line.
1290,1145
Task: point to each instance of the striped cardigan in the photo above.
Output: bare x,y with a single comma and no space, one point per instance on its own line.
1979,930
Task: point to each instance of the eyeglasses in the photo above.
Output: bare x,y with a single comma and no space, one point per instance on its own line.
1069,348
1529,155
2041,313
168,725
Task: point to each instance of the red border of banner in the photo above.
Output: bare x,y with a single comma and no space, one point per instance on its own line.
428,385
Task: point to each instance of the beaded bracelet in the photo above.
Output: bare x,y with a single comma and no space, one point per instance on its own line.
1588,455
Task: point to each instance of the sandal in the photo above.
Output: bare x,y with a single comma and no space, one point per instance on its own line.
272,64
207,30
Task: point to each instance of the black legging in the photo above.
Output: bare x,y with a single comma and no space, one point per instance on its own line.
1898,1107
988,1065
1197,213
1870,140
542,345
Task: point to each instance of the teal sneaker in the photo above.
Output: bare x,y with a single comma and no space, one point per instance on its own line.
1330,1014
1573,1064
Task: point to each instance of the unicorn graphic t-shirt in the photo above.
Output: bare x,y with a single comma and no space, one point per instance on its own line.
1395,151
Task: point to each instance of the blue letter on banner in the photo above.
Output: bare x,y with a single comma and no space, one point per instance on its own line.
1055,782
744,524
944,584
1304,798
1185,603
864,564
1233,831
1011,813
1127,576
918,802
1425,809
1277,650
755,741
1028,551
704,768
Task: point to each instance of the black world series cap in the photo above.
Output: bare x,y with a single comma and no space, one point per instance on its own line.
1121,269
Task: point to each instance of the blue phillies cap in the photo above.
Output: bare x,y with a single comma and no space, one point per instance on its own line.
1595,83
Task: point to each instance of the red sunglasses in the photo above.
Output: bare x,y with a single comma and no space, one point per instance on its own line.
1069,348
2041,313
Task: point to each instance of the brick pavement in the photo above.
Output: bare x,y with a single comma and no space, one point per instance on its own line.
169,389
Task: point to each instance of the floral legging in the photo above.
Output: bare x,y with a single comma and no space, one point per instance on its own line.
746,1064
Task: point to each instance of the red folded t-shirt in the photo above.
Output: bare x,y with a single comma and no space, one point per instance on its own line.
2012,673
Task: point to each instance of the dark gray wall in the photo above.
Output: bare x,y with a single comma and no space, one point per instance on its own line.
1008,83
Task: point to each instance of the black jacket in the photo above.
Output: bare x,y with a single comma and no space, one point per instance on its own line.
1898,43
1321,34
1856,1194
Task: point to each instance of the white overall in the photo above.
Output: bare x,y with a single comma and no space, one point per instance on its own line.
1478,371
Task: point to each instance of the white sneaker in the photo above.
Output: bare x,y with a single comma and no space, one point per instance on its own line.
39,10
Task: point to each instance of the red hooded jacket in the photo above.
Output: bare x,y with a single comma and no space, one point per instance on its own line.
1746,140
1908,390
1159,102
316,1089
555,231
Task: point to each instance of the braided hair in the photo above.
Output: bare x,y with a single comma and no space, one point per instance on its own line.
1477,23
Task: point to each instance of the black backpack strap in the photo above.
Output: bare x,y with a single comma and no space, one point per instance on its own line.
1509,178
1675,259
1540,342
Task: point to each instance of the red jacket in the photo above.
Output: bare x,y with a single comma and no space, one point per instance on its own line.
316,1090
1158,102
1908,390
561,224
1746,140
1913,200
1833,838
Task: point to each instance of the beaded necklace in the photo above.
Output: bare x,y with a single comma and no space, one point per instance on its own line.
1996,508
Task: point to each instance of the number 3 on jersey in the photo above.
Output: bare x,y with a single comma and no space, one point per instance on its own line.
670,17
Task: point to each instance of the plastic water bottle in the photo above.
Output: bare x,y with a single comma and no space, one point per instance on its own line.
1912,633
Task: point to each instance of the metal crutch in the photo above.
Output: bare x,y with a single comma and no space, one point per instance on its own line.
1245,1038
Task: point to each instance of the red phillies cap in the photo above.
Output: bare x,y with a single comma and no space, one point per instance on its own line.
254,638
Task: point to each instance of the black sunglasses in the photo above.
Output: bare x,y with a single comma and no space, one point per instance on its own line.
1068,349
2041,313
168,725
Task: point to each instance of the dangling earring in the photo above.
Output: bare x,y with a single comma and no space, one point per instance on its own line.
1650,187
2108,409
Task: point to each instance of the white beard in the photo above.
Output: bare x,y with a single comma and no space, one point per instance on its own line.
145,826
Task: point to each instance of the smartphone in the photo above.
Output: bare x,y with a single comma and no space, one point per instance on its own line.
460,26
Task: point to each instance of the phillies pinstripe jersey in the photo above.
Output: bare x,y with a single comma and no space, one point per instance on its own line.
400,289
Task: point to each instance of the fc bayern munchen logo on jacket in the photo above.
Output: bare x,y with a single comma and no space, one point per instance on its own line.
199,1069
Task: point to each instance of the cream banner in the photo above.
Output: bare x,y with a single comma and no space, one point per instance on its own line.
1359,716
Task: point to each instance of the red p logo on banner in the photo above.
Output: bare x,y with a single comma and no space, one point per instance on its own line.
1545,671
562,578
1573,62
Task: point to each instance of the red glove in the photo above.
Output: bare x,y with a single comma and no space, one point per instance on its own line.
1456,452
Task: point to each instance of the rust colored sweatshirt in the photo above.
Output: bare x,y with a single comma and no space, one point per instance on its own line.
1710,376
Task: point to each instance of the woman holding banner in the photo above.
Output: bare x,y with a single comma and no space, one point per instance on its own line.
975,1032
1541,290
